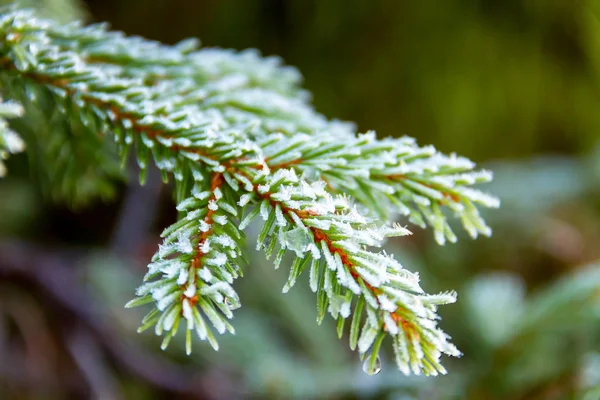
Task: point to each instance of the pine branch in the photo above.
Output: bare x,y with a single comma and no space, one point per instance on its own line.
193,272
235,132
390,174
325,231
140,57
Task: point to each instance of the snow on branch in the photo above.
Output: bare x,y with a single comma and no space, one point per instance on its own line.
237,135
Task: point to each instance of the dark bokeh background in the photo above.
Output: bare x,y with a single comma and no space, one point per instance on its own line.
511,84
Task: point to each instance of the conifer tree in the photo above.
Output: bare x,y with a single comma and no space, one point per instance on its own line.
236,135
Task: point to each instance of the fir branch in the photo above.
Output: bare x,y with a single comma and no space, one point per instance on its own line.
193,272
390,174
154,61
229,131
333,238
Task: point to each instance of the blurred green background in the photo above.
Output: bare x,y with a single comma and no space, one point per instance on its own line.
511,84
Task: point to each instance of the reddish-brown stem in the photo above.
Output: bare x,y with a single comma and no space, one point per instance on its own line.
285,164
216,182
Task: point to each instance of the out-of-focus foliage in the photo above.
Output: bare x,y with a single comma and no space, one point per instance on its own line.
511,83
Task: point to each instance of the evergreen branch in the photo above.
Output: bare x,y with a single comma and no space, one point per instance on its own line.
193,272
153,60
253,86
389,174
111,104
325,231
210,121
415,180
